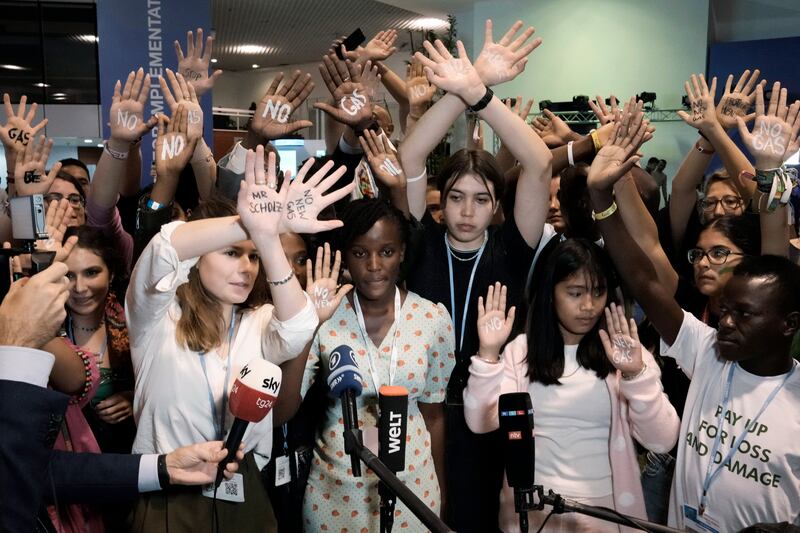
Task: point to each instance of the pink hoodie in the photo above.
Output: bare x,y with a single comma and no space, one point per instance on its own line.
639,409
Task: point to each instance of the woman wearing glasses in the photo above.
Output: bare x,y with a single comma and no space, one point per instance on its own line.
66,186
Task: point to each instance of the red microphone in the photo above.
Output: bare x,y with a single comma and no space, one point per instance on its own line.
252,396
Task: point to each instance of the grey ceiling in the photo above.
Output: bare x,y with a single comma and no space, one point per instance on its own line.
297,31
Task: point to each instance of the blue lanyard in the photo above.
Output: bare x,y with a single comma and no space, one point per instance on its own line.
219,420
469,287
711,476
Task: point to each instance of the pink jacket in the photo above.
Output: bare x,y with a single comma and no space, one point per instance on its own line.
639,409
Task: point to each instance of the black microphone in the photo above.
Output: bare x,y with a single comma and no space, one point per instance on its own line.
393,406
344,381
516,429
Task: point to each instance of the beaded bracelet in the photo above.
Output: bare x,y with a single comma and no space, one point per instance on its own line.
282,281
87,384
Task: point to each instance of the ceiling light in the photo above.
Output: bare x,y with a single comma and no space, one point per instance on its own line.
40,84
255,66
213,60
88,141
250,49
100,145
59,98
13,67
88,38
58,95
429,24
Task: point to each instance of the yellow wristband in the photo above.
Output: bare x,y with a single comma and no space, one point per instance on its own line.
596,141
605,214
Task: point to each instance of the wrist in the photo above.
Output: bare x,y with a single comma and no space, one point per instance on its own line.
712,133
488,355
628,376
119,145
164,478
474,94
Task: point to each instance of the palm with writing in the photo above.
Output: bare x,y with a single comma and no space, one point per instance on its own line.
322,282
271,118
419,90
775,132
494,325
30,176
174,147
127,108
619,155
260,204
194,65
183,93
19,129
604,114
306,198
56,219
452,74
621,342
553,130
736,103
352,99
701,99
504,60
382,159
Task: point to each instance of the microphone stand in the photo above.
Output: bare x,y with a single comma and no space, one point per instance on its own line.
352,444
561,505
388,500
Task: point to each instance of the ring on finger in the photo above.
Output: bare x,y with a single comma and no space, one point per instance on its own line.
272,185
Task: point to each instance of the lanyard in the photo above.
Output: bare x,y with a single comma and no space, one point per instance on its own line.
367,342
469,287
711,476
219,421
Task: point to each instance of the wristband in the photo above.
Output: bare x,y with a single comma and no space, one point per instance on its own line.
163,473
701,149
703,135
152,204
114,153
570,157
596,141
606,213
483,102
638,374
489,361
282,281
776,183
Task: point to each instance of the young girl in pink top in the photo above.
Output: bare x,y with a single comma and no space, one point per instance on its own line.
593,391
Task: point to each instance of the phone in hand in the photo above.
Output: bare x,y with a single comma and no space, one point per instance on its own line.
351,42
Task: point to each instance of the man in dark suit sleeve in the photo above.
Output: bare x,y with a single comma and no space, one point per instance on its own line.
31,416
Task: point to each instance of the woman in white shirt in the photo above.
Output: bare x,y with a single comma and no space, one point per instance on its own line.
197,313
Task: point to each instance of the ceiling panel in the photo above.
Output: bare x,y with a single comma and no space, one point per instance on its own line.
297,31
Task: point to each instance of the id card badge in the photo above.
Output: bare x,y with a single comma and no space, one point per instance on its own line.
366,187
230,490
371,438
702,524
283,470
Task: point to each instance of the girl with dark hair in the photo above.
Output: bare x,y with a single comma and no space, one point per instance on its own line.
593,390
198,312
398,338
459,259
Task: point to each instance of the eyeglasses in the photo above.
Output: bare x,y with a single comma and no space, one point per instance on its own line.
74,199
717,255
729,203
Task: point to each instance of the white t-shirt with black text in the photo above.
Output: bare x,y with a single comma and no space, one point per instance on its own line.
761,482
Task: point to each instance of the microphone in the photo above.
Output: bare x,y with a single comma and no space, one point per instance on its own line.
344,381
516,429
393,406
252,396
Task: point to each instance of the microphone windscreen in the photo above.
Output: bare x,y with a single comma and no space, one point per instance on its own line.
255,390
392,426
516,430
343,372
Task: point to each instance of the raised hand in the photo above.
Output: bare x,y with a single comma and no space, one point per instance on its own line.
127,108
352,98
194,66
30,176
382,159
56,219
322,282
619,155
774,136
452,74
419,90
379,47
174,148
504,60
305,200
183,93
271,118
621,342
736,103
19,129
494,325
260,204
701,98
553,130
604,114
